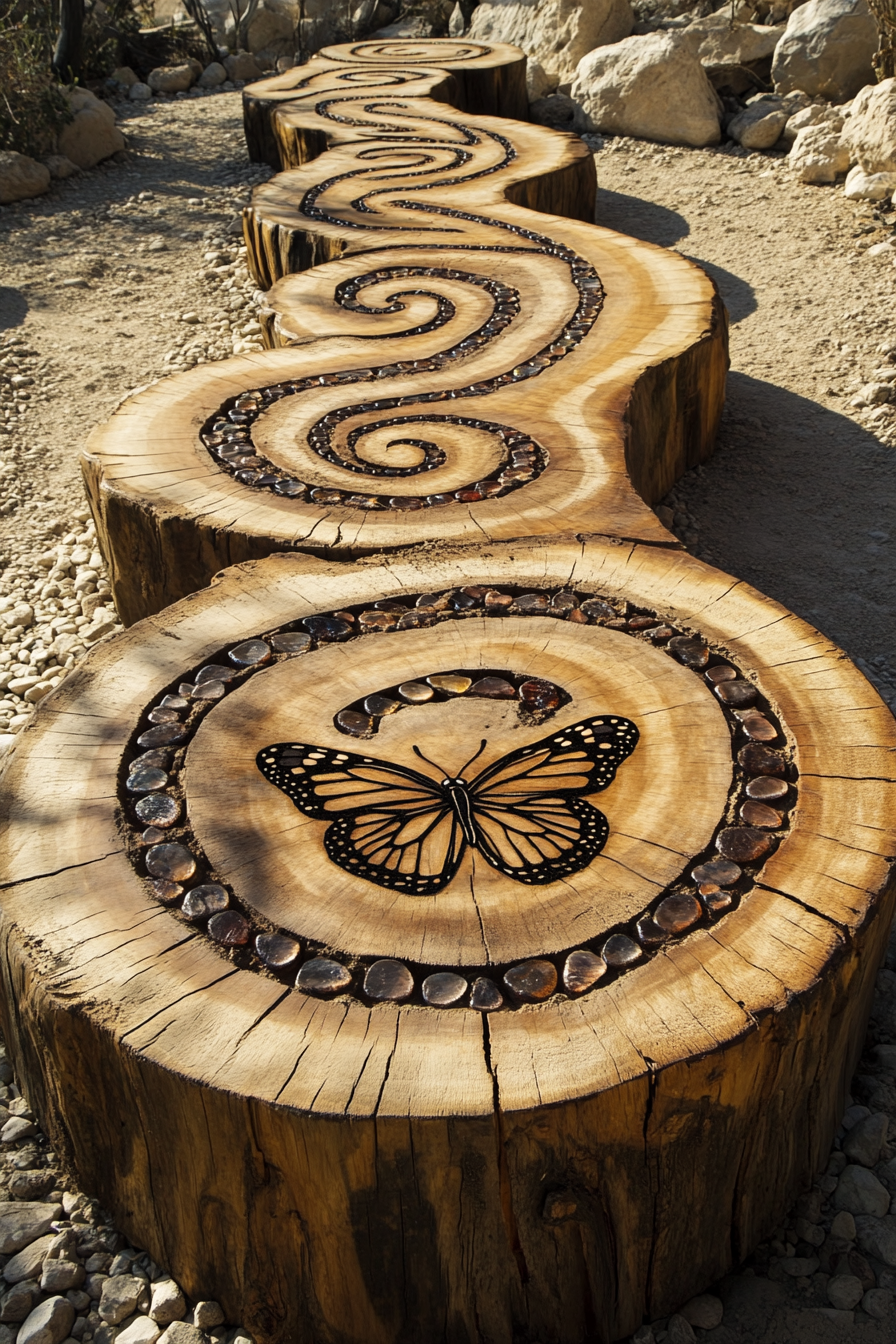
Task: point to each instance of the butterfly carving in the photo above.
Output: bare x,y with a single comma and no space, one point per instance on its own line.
406,831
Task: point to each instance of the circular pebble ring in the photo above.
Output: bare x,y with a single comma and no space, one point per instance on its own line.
617,877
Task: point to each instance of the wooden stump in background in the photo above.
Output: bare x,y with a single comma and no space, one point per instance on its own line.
463,369
419,1047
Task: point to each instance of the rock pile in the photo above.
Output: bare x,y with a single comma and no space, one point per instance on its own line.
66,1274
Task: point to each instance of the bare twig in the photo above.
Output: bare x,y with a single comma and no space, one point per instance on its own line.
200,16
884,60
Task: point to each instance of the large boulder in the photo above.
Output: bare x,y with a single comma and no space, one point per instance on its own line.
870,131
818,154
827,49
651,87
556,33
733,53
92,134
21,177
171,78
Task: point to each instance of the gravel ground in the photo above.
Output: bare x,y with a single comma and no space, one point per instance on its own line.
135,269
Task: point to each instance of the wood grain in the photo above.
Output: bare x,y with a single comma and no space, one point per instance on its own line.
456,289
519,1173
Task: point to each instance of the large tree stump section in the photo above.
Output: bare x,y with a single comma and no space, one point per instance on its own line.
398,949
455,367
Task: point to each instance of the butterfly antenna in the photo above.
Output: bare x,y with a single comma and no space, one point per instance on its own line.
429,762
482,746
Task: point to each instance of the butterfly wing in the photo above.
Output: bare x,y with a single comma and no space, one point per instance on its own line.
390,825
531,822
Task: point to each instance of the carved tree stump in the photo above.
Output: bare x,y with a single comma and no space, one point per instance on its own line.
425,1047
458,368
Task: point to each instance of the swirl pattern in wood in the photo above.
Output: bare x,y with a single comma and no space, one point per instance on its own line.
454,365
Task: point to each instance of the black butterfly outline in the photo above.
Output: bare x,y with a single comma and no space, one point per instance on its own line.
522,813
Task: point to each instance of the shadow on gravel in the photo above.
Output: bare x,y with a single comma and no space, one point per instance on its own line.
800,501
739,297
13,308
642,219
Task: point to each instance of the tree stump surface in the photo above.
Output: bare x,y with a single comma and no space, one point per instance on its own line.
473,913
456,366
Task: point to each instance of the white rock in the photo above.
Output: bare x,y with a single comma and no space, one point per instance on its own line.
651,87
119,1297
23,1222
878,1303
759,125
60,167
17,1128
167,1303
818,154
27,1264
59,1276
870,130
858,1190
48,1323
844,1291
92,135
206,1315
140,93
140,1331
554,33
864,1141
826,49
844,1225
812,115
538,82
242,66
705,1311
457,23
21,177
679,1331
171,78
124,75
212,76
725,46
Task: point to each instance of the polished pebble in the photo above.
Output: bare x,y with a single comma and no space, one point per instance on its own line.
716,900
167,892
743,844
146,779
174,862
493,688
485,996
388,980
322,976
721,871
722,672
158,809
531,603
736,693
174,702
152,835
759,814
450,683
581,970
537,694
229,928
251,653
208,690
532,981
495,601
327,628
277,950
444,989
215,672
163,715
377,620
650,935
291,641
619,950
162,735
415,692
380,705
157,757
759,760
350,721
205,900
598,610
563,601
692,652
678,912
757,726
642,622
766,788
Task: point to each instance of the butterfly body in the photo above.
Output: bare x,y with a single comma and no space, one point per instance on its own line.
403,830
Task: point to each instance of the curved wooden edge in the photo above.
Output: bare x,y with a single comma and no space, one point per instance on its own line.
641,404
493,81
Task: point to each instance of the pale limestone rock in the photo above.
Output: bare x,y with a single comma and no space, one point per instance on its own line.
862,186
242,66
826,49
813,115
759,125
123,74
21,177
92,135
725,44
170,78
212,76
555,33
652,87
60,166
818,154
870,130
